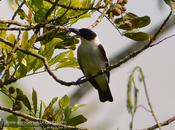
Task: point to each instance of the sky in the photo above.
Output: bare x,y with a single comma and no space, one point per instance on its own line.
156,62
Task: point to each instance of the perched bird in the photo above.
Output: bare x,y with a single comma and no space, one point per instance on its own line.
92,59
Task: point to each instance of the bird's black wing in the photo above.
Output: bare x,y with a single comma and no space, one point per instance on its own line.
105,58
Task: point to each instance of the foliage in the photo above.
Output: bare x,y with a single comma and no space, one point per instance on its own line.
63,112
42,43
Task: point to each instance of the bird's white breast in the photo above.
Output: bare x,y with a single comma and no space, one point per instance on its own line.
90,56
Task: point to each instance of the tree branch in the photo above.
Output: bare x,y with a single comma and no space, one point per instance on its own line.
19,7
42,122
165,123
80,81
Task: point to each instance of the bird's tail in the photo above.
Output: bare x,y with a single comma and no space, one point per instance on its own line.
105,95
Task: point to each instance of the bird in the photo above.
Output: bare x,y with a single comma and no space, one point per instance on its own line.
92,58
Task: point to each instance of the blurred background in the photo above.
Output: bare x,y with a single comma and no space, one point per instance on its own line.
157,63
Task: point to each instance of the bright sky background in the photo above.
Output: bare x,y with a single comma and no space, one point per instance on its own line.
157,63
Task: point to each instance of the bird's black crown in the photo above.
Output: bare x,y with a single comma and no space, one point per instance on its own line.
84,33
87,34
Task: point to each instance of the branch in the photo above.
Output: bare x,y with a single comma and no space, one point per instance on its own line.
19,7
23,27
6,21
80,81
165,123
148,99
161,27
42,122
51,9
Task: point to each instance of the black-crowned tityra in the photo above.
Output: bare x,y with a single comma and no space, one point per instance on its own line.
92,59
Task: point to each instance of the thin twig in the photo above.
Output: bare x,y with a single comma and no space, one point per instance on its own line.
165,123
51,9
148,99
99,19
113,24
16,12
6,21
161,27
146,109
165,38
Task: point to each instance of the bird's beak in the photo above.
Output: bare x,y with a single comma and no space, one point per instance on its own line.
74,30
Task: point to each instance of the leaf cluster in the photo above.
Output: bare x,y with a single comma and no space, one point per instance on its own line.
62,112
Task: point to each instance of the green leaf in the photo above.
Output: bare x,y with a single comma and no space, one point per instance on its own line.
64,102
130,104
71,62
125,21
17,105
53,101
3,32
86,3
58,58
77,106
19,91
26,102
48,112
24,40
48,49
40,15
34,100
131,21
40,109
137,36
141,22
67,43
21,72
11,38
32,40
67,112
68,61
76,120
65,59
37,3
12,118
